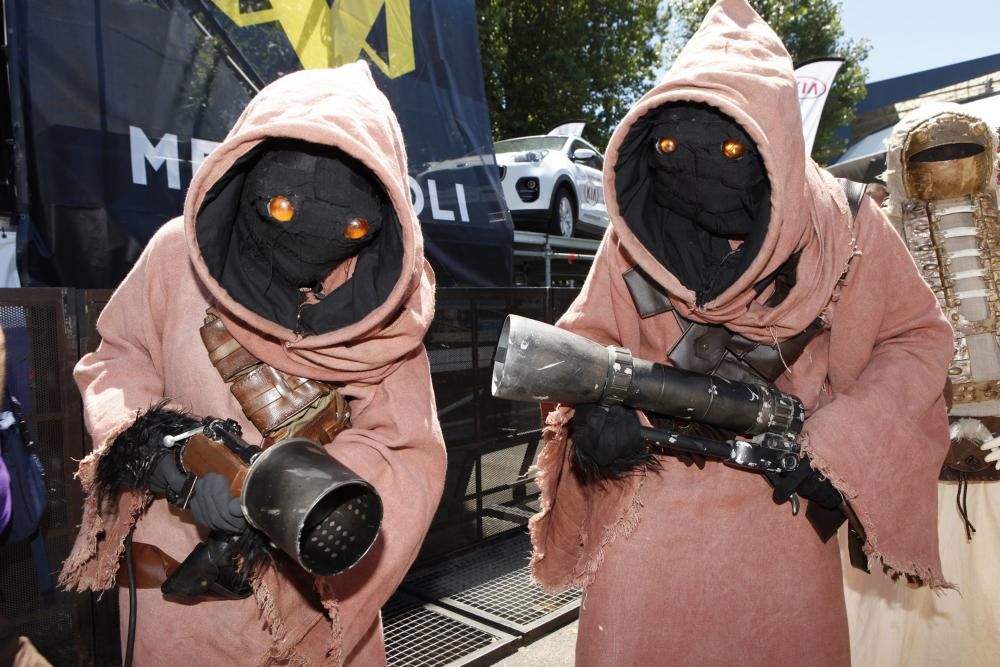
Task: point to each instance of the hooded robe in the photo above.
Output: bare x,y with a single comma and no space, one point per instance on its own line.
700,566
151,349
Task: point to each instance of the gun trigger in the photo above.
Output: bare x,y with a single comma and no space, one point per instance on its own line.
187,491
794,500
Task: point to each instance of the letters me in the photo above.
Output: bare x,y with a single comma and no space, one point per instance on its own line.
163,156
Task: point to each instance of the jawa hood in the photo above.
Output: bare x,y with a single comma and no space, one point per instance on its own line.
373,307
738,66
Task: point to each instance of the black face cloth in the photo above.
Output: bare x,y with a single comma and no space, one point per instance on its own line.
278,223
322,195
689,180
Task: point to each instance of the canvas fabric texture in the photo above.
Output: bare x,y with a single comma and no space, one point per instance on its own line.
901,625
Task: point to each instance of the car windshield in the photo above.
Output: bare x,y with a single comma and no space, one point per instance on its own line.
529,144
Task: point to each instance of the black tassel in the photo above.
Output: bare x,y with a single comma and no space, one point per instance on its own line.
962,498
619,468
131,456
607,443
251,551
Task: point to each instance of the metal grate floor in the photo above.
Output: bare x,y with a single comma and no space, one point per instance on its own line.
423,635
493,583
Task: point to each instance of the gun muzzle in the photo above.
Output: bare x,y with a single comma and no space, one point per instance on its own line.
311,506
537,362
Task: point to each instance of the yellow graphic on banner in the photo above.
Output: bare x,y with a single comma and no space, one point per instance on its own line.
329,36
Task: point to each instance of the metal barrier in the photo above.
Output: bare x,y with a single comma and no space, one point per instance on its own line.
563,261
491,446
63,626
491,443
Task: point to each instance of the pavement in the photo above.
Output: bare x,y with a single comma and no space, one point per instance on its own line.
556,649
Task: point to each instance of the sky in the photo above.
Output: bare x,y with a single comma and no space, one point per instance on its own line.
916,35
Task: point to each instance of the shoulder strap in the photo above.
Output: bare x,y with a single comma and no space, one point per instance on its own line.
649,298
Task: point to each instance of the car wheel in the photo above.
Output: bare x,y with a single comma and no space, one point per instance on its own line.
563,220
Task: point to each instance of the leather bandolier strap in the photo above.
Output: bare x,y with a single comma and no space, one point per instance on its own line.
713,349
279,404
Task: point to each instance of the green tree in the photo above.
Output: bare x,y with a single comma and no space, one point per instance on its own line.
810,29
546,63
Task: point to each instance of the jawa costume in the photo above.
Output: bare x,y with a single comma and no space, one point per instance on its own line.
299,234
941,179
690,561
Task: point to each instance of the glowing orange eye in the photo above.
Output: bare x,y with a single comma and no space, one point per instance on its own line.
733,149
357,228
665,145
281,208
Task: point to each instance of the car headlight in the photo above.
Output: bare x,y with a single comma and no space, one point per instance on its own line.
531,156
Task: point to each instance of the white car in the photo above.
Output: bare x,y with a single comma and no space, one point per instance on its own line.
553,183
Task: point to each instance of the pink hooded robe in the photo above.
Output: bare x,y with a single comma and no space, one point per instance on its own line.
151,349
700,566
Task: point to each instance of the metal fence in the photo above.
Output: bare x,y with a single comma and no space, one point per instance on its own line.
491,443
491,446
62,625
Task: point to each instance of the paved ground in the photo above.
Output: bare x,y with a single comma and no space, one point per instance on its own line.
553,650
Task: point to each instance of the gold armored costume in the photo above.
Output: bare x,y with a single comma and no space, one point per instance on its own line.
941,179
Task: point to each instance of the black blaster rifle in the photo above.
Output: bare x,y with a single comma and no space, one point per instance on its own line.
538,362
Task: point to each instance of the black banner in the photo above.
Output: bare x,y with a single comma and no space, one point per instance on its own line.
115,103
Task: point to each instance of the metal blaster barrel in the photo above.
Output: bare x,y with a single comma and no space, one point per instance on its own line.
307,503
537,362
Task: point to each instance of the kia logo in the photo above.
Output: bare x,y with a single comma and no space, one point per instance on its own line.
810,87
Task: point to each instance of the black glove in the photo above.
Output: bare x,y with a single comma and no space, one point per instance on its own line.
807,483
165,478
211,503
607,443
213,506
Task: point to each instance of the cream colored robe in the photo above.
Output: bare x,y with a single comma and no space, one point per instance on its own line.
899,625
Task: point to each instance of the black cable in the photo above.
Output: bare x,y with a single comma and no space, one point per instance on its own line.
130,642
962,498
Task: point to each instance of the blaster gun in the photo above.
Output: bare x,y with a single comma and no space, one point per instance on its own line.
294,493
538,362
